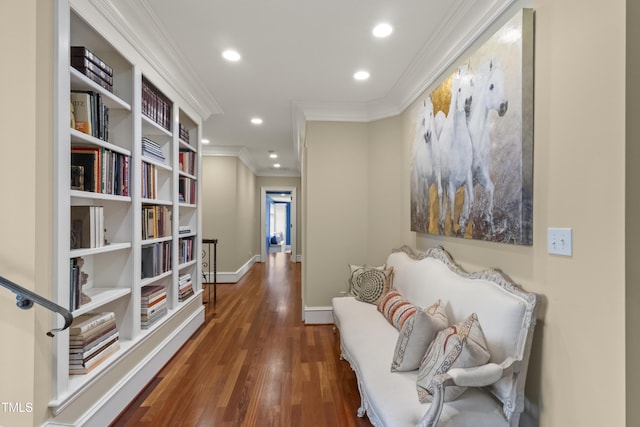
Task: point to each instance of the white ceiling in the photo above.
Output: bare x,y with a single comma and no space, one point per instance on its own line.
298,59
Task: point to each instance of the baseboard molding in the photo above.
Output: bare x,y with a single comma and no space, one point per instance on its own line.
318,315
114,401
233,277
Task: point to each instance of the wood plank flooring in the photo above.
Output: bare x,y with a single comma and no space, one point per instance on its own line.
253,363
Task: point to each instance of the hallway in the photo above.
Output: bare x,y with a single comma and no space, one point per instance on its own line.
253,363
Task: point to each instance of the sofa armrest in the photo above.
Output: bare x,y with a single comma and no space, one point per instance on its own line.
479,376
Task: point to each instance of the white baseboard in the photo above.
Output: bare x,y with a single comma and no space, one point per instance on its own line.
233,277
318,315
112,403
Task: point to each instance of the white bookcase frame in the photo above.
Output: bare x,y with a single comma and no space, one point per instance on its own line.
115,269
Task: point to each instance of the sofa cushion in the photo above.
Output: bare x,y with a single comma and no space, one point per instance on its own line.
415,336
355,279
396,309
374,284
459,346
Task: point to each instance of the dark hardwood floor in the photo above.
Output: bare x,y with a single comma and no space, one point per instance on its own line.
253,363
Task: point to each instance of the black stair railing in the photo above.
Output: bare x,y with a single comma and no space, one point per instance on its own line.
25,299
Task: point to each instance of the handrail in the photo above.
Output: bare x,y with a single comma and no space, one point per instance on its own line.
25,299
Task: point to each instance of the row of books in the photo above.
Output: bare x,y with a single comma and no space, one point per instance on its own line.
152,150
183,133
153,305
93,337
90,65
185,249
156,221
187,190
156,259
89,114
149,181
185,287
155,105
187,161
99,170
77,279
87,227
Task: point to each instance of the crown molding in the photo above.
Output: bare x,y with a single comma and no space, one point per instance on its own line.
423,72
141,28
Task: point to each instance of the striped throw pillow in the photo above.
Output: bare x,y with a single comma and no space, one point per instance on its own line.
396,309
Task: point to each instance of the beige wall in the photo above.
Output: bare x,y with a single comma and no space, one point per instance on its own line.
632,226
230,212
26,220
579,182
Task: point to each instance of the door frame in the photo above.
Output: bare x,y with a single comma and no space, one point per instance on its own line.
263,218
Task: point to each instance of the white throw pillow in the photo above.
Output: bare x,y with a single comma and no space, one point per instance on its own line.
459,346
415,336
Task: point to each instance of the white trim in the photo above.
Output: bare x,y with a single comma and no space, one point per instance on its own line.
109,406
230,151
233,277
318,315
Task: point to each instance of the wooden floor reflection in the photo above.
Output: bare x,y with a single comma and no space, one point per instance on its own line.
253,363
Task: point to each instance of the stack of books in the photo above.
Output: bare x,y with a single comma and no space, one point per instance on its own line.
93,337
153,305
152,150
185,287
184,229
89,114
187,161
96,70
183,133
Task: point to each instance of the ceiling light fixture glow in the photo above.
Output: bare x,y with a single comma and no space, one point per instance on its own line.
273,155
382,30
205,141
361,75
276,165
256,121
231,55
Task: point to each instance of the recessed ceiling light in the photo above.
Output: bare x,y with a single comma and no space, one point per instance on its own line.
361,75
273,155
256,121
382,30
231,55
276,165
205,141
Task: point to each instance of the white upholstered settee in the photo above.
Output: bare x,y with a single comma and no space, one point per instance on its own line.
494,394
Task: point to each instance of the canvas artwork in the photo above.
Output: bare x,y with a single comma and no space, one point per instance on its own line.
472,154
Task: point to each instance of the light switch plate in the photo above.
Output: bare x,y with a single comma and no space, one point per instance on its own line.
560,241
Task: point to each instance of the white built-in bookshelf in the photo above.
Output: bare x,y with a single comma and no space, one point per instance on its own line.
147,225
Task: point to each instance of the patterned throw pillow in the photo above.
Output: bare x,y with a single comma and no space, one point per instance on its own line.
459,346
396,309
355,281
373,284
416,335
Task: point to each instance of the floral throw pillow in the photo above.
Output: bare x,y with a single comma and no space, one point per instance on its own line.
459,346
355,279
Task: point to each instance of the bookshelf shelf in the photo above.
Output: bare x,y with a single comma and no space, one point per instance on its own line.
157,240
156,202
80,138
100,297
80,82
187,264
98,196
186,146
152,280
186,175
188,205
74,253
149,127
157,163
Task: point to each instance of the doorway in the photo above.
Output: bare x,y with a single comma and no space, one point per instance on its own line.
278,221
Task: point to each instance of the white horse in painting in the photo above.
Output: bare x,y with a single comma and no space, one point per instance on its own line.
488,94
456,153
426,151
